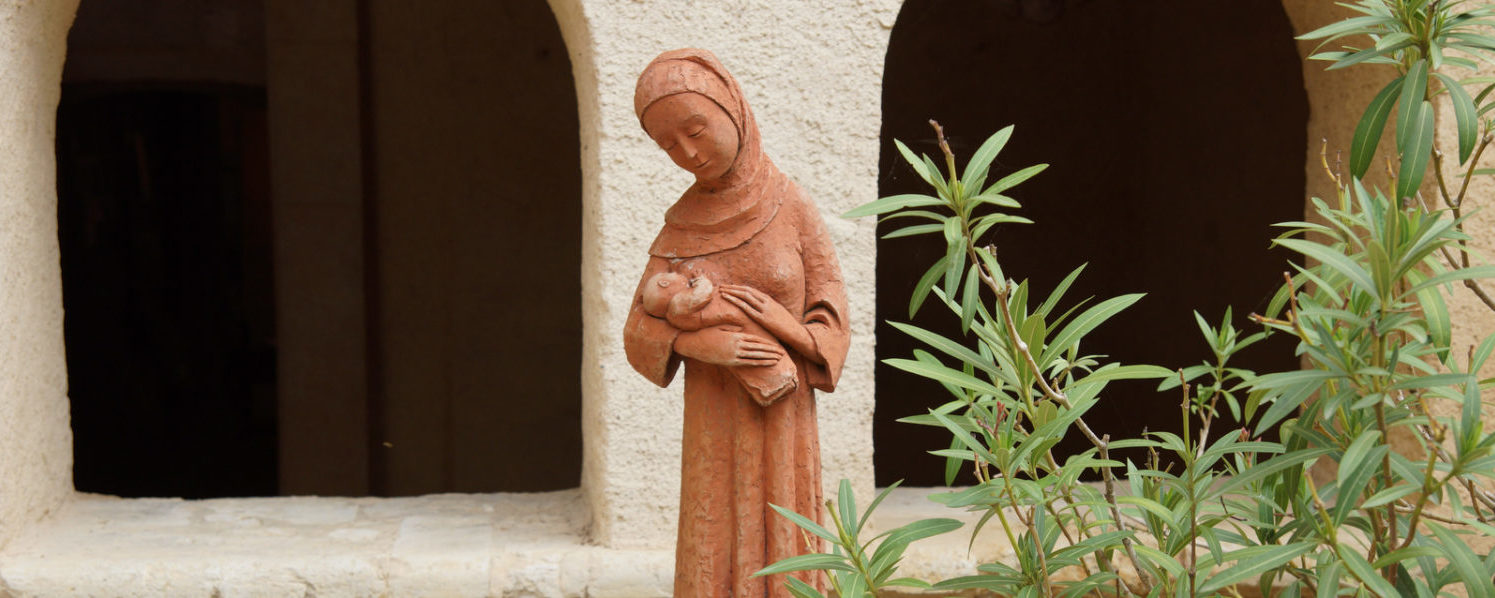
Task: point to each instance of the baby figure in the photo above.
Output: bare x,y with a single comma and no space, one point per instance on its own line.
694,304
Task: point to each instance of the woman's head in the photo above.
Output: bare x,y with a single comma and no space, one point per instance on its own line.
697,134
689,104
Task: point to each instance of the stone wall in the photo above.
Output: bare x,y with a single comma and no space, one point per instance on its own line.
36,452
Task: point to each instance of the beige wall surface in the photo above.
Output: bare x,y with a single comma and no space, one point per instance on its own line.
36,452
812,73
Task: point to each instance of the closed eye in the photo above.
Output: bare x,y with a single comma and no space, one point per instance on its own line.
697,132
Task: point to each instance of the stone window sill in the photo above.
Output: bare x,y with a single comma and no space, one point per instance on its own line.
438,545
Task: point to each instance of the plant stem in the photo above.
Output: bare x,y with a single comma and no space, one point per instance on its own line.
1126,542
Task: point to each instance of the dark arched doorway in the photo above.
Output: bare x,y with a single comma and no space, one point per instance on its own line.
321,251
1175,134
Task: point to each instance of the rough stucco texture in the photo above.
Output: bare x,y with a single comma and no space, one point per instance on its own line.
812,73
35,440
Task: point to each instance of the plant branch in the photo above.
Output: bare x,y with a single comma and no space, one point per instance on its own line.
1126,542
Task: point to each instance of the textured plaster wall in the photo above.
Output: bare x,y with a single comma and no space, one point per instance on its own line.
35,440
812,72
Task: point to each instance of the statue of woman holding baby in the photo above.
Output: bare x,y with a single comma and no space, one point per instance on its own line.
743,287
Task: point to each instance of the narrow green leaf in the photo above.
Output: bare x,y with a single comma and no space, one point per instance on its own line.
1124,372
1353,26
1413,91
946,346
1416,152
1012,180
846,503
1333,259
1352,484
1471,571
943,374
1372,123
800,589
1439,323
901,537
1410,552
1271,466
1258,561
1464,117
891,203
1386,496
1470,273
914,229
876,501
1058,292
1370,55
952,464
926,282
955,255
1086,322
970,299
981,160
807,562
806,524
1367,575
914,161
965,437
1354,456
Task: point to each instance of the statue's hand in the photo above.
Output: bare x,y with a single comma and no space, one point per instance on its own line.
770,314
727,346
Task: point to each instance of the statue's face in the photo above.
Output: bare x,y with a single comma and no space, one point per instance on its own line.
696,133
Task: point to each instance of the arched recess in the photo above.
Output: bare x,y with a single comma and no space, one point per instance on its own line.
1176,137
418,249
164,229
479,211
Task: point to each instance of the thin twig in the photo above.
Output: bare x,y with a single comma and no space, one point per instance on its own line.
1126,543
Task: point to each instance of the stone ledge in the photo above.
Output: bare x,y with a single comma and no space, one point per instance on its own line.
440,545
522,545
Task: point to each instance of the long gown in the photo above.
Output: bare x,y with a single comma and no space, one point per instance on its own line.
738,456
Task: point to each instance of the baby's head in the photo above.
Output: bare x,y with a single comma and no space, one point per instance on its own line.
660,289
668,290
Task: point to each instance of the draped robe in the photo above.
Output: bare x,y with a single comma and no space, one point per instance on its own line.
739,456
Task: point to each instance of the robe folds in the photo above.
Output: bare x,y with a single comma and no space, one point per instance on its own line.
739,456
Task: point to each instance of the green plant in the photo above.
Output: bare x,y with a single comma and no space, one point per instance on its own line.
1419,38
1371,325
855,567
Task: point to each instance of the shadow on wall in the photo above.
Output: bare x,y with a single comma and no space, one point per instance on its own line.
1175,134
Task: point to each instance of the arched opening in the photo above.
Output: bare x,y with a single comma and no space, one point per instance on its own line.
329,251
164,227
479,234
1175,137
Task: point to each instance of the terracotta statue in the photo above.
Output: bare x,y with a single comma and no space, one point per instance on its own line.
704,307
745,255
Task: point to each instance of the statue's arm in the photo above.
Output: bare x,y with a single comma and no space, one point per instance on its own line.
825,300
649,341
655,347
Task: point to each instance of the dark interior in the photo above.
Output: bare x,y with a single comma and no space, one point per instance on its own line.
174,230
1175,135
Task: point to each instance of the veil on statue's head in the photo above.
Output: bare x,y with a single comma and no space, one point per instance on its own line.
691,70
728,211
